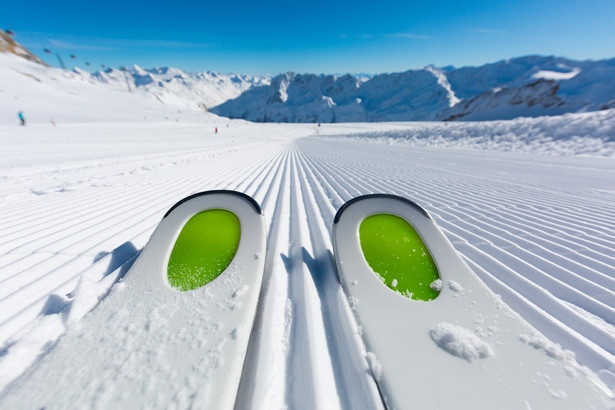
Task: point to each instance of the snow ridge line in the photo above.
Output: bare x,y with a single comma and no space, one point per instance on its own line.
593,209
263,380
127,206
311,386
528,225
346,351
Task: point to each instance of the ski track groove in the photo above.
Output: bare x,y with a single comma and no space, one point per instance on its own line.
78,201
131,201
63,288
343,343
263,383
548,253
307,365
532,233
587,351
512,214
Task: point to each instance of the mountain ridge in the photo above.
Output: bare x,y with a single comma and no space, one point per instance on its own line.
527,86
435,94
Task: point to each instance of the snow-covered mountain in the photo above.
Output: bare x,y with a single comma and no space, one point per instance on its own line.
521,87
503,103
413,95
525,86
177,87
50,95
47,94
10,46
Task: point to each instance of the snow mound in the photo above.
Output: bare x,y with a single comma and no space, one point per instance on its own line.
553,350
583,134
374,365
556,75
436,285
460,342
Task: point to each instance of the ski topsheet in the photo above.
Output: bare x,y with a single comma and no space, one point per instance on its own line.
436,336
174,333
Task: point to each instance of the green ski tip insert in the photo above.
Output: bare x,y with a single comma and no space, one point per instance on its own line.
205,247
397,254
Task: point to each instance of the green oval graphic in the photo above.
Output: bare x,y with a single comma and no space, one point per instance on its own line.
397,254
205,247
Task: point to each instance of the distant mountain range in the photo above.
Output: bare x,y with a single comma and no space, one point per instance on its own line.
520,87
175,86
526,86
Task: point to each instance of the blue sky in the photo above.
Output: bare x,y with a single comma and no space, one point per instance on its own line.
270,37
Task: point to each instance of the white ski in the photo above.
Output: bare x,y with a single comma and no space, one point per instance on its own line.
463,349
150,345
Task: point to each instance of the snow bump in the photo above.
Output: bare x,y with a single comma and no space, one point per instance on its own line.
460,342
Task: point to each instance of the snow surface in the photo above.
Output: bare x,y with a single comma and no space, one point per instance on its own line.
528,203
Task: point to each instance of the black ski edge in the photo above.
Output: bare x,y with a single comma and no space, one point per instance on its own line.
248,198
340,211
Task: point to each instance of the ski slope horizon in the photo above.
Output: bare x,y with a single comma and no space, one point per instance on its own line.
528,203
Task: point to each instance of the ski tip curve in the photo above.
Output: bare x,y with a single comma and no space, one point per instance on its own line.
248,198
340,211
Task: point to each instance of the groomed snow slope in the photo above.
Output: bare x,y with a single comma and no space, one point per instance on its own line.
538,229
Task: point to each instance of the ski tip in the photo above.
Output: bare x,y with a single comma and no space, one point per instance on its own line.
248,198
340,211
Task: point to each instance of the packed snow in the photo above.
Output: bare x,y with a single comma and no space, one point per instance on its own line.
460,342
584,134
556,75
528,203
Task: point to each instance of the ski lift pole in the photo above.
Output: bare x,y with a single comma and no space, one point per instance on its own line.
60,60
123,70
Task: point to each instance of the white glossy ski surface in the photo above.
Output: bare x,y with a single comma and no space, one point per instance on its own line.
489,353
79,202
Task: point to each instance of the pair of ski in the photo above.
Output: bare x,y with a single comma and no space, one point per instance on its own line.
435,335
